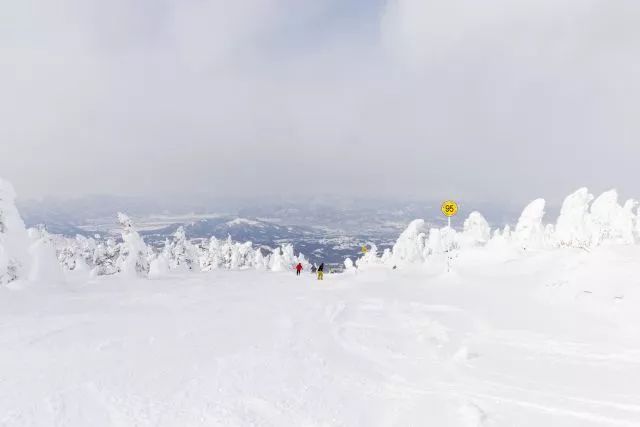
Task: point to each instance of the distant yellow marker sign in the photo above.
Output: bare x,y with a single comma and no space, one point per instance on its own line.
364,249
449,208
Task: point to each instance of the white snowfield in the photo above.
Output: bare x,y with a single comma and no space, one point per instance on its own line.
532,327
550,339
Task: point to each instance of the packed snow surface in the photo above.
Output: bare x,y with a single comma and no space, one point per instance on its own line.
531,327
546,339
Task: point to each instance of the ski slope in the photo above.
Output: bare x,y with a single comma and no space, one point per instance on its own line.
545,339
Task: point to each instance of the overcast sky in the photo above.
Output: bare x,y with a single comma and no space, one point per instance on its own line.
492,99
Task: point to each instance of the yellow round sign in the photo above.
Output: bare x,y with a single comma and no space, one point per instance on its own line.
364,249
449,208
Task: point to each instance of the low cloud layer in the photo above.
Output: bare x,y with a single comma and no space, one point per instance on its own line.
486,100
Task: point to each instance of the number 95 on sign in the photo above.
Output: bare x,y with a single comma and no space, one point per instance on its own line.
449,208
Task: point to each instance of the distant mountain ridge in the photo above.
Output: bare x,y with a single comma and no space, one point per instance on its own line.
326,230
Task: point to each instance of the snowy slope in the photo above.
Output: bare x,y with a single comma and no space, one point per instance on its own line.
546,339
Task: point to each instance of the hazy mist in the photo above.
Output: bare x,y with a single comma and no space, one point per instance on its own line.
460,98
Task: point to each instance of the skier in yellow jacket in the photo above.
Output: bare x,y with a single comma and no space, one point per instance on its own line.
321,272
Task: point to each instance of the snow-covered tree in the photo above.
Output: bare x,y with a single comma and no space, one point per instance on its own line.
435,245
77,254
260,261
44,263
476,230
228,255
369,257
410,246
573,227
289,257
611,222
529,232
549,233
183,255
67,257
242,255
386,256
506,233
300,258
211,255
281,259
449,239
105,258
133,257
627,222
348,264
581,224
159,265
14,257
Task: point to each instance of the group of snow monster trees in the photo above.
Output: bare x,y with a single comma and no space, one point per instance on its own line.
584,222
35,255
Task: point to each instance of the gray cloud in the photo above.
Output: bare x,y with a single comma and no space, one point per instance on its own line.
492,99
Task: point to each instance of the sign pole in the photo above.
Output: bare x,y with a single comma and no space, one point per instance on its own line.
449,208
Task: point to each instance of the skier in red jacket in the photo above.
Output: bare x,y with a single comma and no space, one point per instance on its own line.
298,269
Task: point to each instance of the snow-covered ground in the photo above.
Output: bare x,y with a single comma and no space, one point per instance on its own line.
547,339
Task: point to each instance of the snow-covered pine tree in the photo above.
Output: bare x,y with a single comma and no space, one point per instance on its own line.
611,222
159,263
67,255
242,255
44,263
530,232
85,247
14,257
349,265
210,258
276,261
410,246
133,257
76,254
105,258
226,254
370,257
573,227
183,254
288,256
476,230
260,261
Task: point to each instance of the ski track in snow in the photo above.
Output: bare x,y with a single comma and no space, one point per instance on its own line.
380,348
